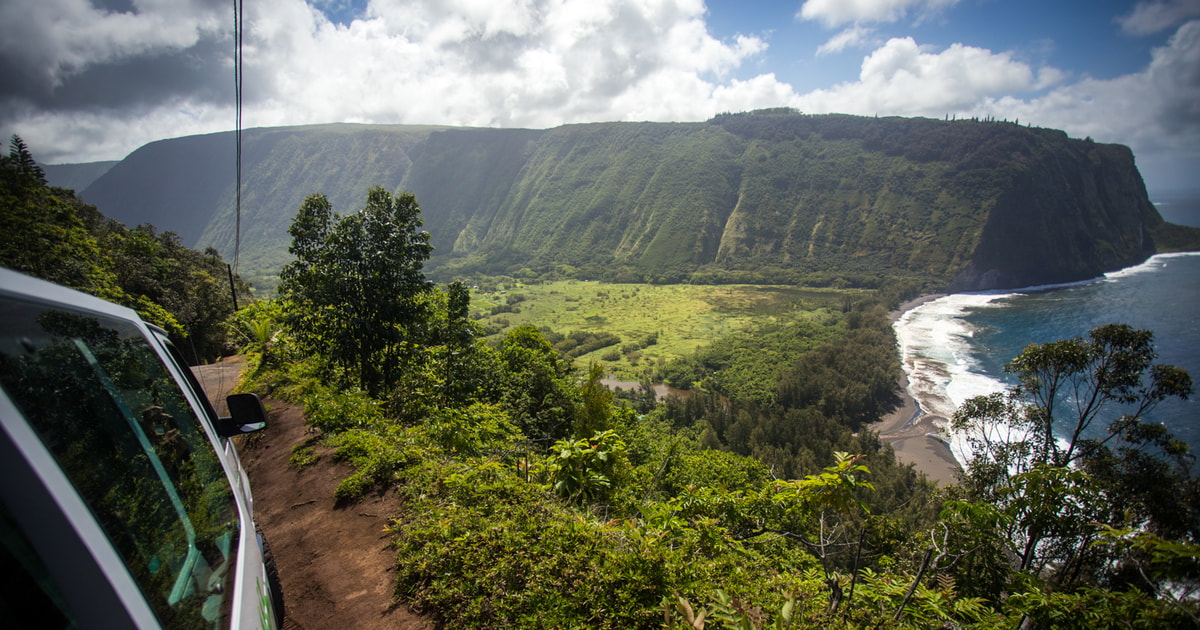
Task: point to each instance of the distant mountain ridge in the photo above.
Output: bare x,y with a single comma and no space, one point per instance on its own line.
771,195
76,176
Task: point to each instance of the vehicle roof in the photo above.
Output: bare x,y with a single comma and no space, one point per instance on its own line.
21,285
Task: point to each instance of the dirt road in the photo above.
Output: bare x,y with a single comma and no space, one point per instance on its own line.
336,563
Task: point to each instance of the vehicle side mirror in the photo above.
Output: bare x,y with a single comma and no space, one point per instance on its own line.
247,415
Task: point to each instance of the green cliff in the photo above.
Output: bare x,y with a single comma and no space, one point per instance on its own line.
771,195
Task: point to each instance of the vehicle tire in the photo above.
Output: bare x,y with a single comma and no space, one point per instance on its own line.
272,577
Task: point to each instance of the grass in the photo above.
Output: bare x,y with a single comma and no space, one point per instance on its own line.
681,318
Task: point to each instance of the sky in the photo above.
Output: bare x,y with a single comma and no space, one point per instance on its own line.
87,80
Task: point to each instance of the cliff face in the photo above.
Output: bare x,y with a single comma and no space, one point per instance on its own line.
1077,211
770,195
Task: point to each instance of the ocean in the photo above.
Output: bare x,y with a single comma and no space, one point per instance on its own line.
955,347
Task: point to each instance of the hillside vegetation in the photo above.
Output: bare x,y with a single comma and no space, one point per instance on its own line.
637,329
534,498
772,196
52,234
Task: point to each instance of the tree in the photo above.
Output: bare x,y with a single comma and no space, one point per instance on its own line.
356,283
1065,388
595,408
45,235
1038,450
23,164
537,388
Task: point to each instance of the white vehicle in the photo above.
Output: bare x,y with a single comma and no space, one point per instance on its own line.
123,503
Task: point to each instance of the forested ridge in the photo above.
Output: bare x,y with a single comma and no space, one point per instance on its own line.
50,233
534,497
771,196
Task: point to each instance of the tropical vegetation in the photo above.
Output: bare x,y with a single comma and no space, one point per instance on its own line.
51,233
535,497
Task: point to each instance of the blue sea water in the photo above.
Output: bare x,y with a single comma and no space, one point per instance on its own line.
1179,207
955,347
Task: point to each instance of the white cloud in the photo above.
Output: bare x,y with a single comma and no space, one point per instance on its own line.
54,39
902,78
834,13
1156,111
1153,17
512,63
100,135
853,37
541,63
526,63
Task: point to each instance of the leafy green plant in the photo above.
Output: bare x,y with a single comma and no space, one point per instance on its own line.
378,454
337,410
303,456
1170,569
472,431
1090,608
730,612
585,470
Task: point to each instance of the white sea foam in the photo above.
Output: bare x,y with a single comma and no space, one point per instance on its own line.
934,344
1154,263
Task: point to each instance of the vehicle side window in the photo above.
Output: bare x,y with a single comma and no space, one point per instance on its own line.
109,411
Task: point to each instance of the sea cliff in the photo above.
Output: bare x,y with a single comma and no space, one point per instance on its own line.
772,196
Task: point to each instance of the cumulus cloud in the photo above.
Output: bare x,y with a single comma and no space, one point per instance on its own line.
509,63
44,45
1155,110
903,78
1154,17
81,80
834,13
530,63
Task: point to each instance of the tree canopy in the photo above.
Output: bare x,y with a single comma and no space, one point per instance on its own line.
356,283
1073,445
52,234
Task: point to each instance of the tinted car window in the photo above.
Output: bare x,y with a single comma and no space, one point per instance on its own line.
114,418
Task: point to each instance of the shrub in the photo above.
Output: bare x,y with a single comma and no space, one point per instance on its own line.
303,456
586,470
377,456
472,431
482,548
339,410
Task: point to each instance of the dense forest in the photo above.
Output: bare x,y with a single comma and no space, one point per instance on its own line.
51,233
765,197
534,497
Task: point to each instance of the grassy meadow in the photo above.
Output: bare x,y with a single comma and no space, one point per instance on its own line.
654,323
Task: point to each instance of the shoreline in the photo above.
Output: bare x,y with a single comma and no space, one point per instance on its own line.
907,428
910,431
895,315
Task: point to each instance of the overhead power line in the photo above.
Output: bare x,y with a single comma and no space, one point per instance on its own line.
238,23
